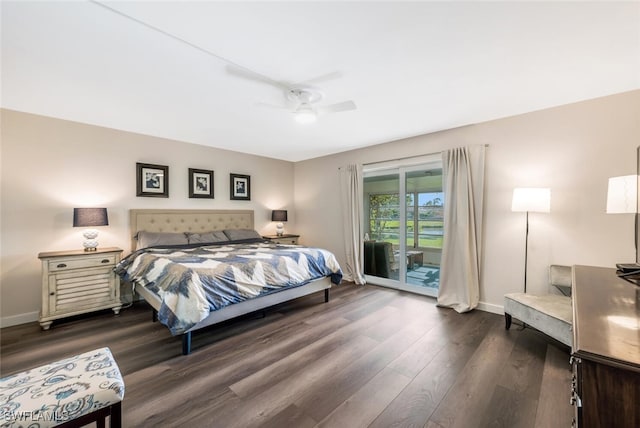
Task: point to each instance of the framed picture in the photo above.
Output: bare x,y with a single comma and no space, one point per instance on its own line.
240,187
200,183
152,180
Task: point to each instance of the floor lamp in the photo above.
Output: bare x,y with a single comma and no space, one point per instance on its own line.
530,199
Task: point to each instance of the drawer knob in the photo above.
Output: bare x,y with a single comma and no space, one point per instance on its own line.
105,261
62,265
52,293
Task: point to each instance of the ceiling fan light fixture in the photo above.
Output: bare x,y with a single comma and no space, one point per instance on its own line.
305,114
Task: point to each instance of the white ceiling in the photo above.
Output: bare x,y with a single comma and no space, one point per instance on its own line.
411,68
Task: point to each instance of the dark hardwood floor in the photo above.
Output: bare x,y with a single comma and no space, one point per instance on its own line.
370,357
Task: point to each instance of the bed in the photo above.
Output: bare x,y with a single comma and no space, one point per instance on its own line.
164,269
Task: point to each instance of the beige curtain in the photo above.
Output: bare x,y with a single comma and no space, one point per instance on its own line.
352,207
463,186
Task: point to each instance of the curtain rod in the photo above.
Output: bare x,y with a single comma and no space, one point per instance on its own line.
402,158
399,159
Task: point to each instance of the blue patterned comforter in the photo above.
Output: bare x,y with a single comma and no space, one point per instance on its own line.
193,281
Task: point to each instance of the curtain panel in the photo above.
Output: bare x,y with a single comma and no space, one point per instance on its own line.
463,187
352,211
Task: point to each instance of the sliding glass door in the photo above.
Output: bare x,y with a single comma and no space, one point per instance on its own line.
403,234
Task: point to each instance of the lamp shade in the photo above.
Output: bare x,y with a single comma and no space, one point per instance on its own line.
279,215
89,217
622,194
531,199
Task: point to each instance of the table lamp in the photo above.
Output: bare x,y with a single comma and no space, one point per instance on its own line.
279,216
90,217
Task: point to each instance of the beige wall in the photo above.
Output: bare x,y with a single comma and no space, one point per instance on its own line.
50,166
571,149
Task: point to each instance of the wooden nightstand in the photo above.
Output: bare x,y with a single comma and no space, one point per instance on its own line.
76,282
283,239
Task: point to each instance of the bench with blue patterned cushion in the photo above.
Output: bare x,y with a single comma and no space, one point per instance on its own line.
68,393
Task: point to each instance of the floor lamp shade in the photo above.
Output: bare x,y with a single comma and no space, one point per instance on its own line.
530,199
622,198
622,194
90,217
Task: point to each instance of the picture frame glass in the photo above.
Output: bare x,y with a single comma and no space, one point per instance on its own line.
201,184
240,187
153,180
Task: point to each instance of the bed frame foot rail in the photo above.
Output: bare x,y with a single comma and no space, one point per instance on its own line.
186,343
186,337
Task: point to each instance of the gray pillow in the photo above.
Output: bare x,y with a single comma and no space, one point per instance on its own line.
150,239
238,234
201,238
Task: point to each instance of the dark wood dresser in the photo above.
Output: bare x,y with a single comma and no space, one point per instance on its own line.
606,349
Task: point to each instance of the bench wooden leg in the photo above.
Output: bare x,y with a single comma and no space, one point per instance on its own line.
114,412
116,415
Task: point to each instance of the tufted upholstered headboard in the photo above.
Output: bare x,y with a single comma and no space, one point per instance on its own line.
175,220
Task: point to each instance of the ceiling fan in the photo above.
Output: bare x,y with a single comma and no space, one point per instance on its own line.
302,99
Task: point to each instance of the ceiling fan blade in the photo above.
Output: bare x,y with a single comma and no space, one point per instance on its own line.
321,78
338,107
245,73
272,106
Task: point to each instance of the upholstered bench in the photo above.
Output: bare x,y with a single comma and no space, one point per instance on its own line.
68,393
551,314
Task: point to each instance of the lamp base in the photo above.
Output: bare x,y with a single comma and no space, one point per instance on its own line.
90,244
279,229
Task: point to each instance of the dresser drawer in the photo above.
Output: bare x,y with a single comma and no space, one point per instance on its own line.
81,262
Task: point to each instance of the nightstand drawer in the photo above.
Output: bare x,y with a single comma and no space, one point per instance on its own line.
292,241
81,263
283,239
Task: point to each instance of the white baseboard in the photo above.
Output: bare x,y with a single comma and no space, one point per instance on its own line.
28,317
488,307
19,319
